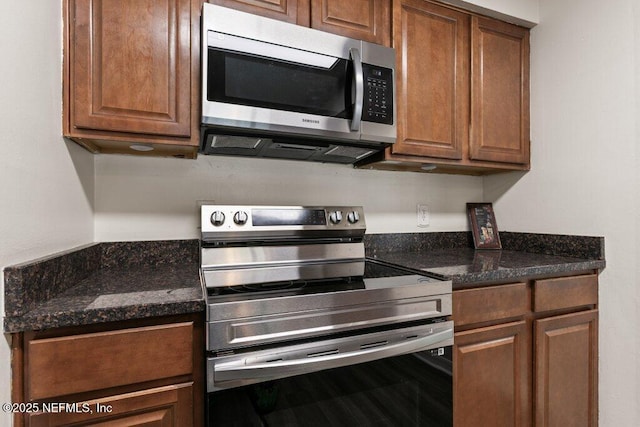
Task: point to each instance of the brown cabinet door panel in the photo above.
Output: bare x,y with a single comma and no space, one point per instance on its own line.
131,69
163,407
82,363
566,370
499,92
490,303
432,49
491,376
282,10
565,292
360,19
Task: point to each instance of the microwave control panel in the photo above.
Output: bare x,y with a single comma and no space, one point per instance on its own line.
378,94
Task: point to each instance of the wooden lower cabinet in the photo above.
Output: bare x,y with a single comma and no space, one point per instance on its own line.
136,373
526,354
566,357
491,376
164,406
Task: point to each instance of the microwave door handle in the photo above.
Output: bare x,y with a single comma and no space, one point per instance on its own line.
358,83
240,370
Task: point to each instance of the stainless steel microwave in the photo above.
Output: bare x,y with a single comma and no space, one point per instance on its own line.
274,89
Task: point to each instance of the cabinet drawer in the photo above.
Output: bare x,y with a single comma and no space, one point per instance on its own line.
565,292
79,363
490,303
163,406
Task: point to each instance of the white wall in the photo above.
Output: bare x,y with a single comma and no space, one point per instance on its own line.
46,185
149,199
585,87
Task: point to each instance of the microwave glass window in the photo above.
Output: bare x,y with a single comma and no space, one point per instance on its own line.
264,82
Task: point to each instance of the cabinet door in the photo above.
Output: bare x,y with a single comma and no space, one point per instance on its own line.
130,66
491,376
360,19
293,11
432,49
500,92
164,406
566,370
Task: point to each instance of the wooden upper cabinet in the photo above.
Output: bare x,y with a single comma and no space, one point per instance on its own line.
432,45
500,92
130,66
368,20
282,10
462,92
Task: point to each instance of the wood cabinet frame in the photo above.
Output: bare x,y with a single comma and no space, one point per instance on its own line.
365,20
184,381
131,88
482,126
555,321
566,370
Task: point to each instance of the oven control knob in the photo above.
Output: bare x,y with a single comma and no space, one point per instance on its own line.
240,218
353,217
335,217
217,218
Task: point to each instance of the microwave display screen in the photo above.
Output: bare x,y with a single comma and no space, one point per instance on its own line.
265,82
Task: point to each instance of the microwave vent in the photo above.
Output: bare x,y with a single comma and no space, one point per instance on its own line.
355,153
225,141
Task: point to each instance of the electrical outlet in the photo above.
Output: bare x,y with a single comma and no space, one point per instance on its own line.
423,215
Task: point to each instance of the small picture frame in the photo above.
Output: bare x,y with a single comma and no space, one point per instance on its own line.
483,226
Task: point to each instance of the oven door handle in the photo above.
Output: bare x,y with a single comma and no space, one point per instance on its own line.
243,369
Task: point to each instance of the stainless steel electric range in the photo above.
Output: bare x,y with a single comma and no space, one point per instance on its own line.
302,329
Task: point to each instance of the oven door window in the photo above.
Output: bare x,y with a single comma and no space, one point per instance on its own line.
408,390
256,81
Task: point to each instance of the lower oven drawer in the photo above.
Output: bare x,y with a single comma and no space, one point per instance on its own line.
400,377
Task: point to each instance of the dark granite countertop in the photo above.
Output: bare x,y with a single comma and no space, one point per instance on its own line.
103,283
107,282
450,256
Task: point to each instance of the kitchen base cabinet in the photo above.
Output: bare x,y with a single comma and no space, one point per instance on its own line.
143,372
169,406
525,354
491,376
566,370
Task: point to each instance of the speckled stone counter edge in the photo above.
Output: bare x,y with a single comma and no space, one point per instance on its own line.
32,283
78,318
585,247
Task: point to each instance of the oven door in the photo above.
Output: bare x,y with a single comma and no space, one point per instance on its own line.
400,377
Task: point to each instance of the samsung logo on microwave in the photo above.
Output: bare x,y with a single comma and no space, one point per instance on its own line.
311,121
